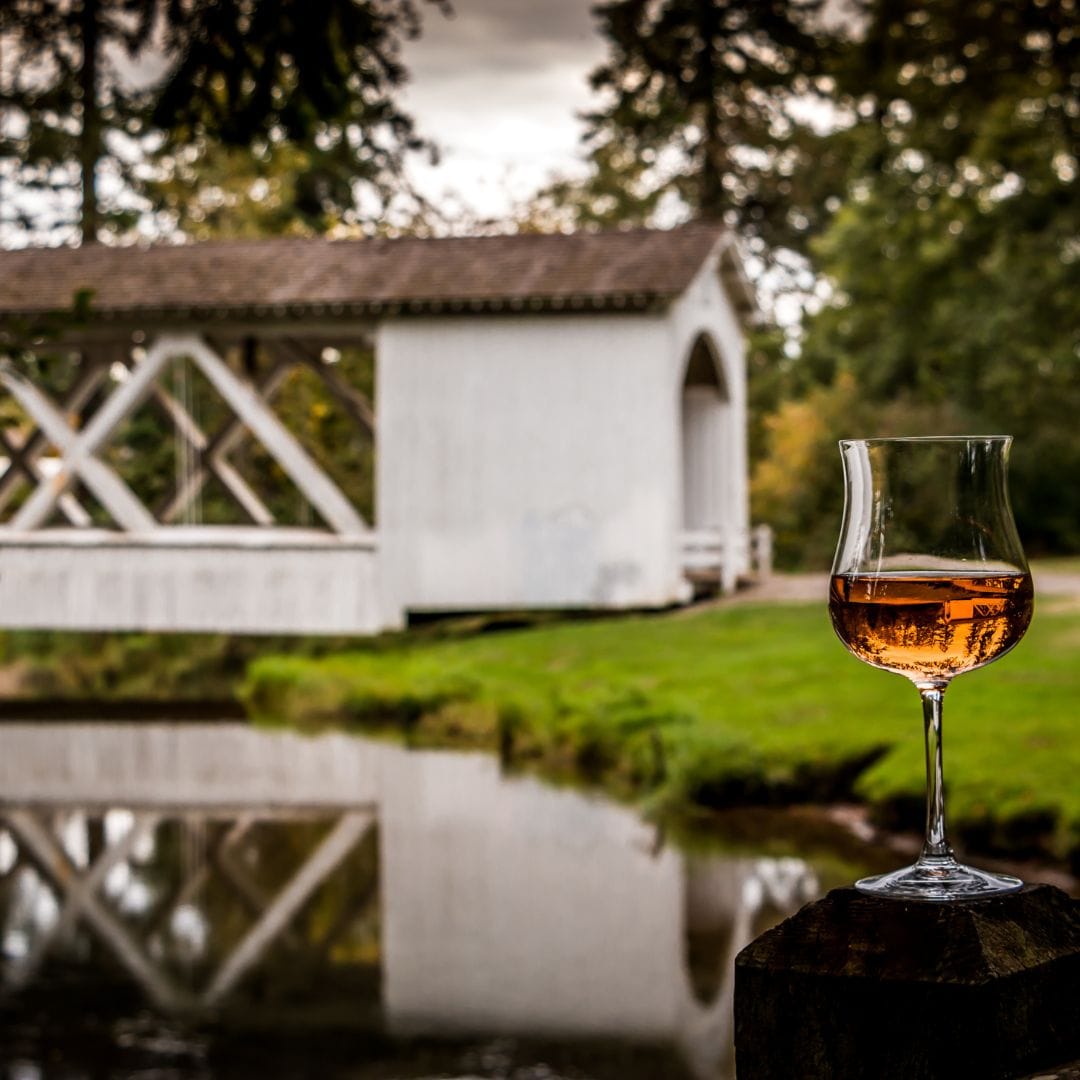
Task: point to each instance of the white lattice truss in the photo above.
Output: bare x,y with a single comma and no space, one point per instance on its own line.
79,448
81,900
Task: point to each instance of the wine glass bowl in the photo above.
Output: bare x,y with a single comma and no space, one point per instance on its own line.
930,626
930,581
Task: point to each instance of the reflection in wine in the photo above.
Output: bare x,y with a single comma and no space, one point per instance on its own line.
930,626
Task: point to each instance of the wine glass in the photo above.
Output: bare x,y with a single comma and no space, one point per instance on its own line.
930,581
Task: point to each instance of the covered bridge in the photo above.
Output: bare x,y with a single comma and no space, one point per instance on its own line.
559,421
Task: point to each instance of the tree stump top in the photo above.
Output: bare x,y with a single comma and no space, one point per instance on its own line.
857,986
848,934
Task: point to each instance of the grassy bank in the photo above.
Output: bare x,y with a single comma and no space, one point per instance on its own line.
728,706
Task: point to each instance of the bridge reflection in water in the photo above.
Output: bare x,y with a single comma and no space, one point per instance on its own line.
221,867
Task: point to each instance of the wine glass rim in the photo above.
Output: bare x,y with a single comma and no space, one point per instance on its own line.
925,439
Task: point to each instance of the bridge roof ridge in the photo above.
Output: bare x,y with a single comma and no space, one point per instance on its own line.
290,277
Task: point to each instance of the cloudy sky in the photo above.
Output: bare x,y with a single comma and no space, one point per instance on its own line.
498,86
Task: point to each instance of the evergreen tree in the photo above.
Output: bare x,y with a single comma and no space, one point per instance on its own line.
88,89
697,105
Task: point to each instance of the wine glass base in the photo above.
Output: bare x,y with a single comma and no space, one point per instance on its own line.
938,879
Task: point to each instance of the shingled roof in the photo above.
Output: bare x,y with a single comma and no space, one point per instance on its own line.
289,278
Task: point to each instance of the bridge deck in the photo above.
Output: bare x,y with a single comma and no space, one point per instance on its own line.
199,579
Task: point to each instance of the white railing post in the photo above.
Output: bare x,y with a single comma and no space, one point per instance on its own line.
761,551
729,574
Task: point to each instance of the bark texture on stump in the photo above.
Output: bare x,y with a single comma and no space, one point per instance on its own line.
855,986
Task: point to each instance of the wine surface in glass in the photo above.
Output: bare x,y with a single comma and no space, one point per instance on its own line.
930,626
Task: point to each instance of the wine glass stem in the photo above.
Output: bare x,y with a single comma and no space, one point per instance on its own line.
936,845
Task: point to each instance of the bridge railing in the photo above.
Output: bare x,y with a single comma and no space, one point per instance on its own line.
262,577
103,397
719,555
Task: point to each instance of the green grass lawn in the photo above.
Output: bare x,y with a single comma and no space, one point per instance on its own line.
733,704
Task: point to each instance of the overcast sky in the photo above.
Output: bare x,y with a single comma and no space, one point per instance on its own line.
498,86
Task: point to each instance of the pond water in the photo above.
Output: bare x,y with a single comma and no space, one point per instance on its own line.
195,901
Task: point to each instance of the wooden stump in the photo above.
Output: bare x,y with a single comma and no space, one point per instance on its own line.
856,986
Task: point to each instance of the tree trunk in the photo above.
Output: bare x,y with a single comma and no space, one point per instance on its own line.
713,197
90,137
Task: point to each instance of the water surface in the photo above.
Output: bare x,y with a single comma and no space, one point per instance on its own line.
201,901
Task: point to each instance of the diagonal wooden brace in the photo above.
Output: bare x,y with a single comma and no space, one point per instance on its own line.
351,400
76,895
233,482
323,494
23,465
344,836
24,459
78,449
218,446
46,854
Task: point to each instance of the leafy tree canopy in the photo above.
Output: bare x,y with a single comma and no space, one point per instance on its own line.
924,156
955,254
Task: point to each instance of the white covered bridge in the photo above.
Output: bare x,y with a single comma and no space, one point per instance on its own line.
560,421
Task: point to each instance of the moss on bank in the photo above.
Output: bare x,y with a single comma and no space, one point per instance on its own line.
728,706
100,667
